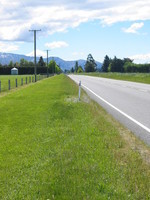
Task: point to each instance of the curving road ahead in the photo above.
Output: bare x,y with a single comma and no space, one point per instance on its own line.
128,102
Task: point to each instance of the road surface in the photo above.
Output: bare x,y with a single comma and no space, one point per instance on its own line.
128,102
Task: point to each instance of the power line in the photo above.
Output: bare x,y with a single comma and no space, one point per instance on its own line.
35,71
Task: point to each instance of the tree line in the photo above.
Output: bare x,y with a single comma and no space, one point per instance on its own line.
123,65
27,67
90,66
109,65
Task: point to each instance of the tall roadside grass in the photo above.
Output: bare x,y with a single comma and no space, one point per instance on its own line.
134,77
54,147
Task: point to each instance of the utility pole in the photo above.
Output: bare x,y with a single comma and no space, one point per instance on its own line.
47,60
35,71
54,67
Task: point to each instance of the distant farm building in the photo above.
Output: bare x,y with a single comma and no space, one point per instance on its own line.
14,71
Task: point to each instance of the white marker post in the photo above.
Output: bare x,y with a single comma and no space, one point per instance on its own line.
79,89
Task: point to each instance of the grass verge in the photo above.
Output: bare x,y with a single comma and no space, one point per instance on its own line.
54,147
134,77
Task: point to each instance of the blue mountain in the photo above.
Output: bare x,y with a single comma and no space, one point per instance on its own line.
5,59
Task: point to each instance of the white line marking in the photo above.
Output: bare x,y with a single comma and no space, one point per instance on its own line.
135,121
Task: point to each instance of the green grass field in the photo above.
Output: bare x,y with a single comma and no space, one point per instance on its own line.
134,77
4,80
54,147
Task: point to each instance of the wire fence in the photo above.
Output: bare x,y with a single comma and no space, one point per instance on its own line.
11,82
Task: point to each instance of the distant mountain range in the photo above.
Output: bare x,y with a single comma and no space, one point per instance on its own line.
5,59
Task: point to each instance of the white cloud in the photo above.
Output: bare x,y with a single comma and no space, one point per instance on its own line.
8,47
18,17
38,53
56,44
128,10
134,28
141,58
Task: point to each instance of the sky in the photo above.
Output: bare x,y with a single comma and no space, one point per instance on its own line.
71,29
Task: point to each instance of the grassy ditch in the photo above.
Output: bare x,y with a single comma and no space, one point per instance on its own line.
54,147
134,77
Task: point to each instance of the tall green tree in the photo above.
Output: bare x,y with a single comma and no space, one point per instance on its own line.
51,66
116,65
80,70
16,64
72,70
90,65
41,62
105,64
57,69
11,64
127,60
24,63
76,66
31,64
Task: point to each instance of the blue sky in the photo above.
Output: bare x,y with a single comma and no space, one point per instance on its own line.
73,29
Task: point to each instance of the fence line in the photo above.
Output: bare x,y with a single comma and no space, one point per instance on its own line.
14,83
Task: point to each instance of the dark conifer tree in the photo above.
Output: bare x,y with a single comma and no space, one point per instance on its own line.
76,66
90,65
105,64
41,62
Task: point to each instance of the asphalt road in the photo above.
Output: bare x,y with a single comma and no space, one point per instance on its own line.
128,102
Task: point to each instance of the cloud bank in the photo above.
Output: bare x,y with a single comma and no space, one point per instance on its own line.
18,16
134,28
38,53
9,46
56,44
141,58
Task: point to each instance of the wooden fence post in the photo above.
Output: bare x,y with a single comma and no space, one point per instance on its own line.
16,83
8,84
21,81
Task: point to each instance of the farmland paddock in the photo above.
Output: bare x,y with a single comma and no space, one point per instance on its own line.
11,82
